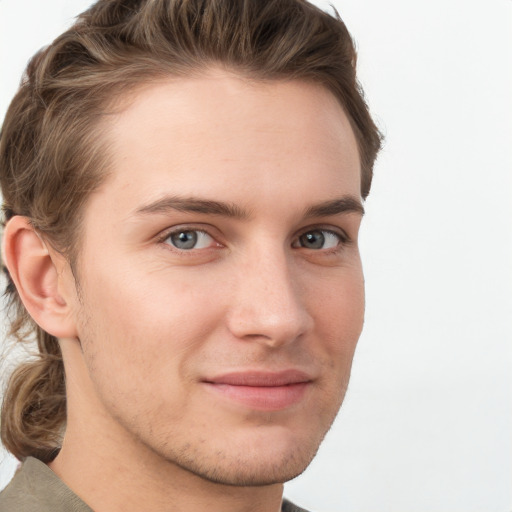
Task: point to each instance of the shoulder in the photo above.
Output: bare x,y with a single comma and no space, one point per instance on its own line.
35,488
18,494
288,506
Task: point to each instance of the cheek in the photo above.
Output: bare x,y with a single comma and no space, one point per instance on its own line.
153,327
153,301
339,313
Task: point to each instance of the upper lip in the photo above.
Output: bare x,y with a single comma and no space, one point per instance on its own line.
262,378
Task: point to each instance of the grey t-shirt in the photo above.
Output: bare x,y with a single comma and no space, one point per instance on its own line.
36,488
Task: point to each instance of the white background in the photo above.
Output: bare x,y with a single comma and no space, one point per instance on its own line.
427,423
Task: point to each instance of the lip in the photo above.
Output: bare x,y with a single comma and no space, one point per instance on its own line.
260,390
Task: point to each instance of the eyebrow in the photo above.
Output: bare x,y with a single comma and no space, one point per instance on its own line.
194,205
345,204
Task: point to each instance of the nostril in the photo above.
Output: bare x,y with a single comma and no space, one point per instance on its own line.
254,336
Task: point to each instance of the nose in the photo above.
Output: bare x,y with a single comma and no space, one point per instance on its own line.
268,305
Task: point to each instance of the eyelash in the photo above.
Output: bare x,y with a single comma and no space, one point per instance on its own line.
342,237
183,229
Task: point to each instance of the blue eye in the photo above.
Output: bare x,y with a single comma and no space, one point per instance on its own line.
186,240
319,239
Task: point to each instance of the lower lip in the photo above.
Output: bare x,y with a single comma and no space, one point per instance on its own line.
271,398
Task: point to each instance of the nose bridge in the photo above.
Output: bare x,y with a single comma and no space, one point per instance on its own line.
269,305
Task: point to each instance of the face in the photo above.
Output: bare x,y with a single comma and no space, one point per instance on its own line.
221,285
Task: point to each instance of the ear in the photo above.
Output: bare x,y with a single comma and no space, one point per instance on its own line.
41,277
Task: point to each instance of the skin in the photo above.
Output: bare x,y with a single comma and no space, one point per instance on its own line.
153,325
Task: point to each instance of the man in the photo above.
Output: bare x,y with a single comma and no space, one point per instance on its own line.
183,184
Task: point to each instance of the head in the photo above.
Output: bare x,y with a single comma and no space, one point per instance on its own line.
186,178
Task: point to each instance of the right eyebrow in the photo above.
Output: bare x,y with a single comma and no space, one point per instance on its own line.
193,205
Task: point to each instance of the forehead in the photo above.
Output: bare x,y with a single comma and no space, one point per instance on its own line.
225,135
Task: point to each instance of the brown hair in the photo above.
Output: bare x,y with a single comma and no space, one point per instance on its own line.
51,157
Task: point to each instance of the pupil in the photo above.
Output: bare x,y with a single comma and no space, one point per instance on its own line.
184,240
313,240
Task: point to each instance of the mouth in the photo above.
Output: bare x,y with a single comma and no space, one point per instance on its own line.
265,391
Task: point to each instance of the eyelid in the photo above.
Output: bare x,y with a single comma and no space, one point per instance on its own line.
163,236
341,233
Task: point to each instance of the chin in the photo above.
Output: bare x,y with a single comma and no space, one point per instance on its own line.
251,471
255,460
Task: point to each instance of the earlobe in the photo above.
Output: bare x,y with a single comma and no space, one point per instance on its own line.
37,274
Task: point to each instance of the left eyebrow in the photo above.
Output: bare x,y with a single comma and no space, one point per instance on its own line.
345,204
